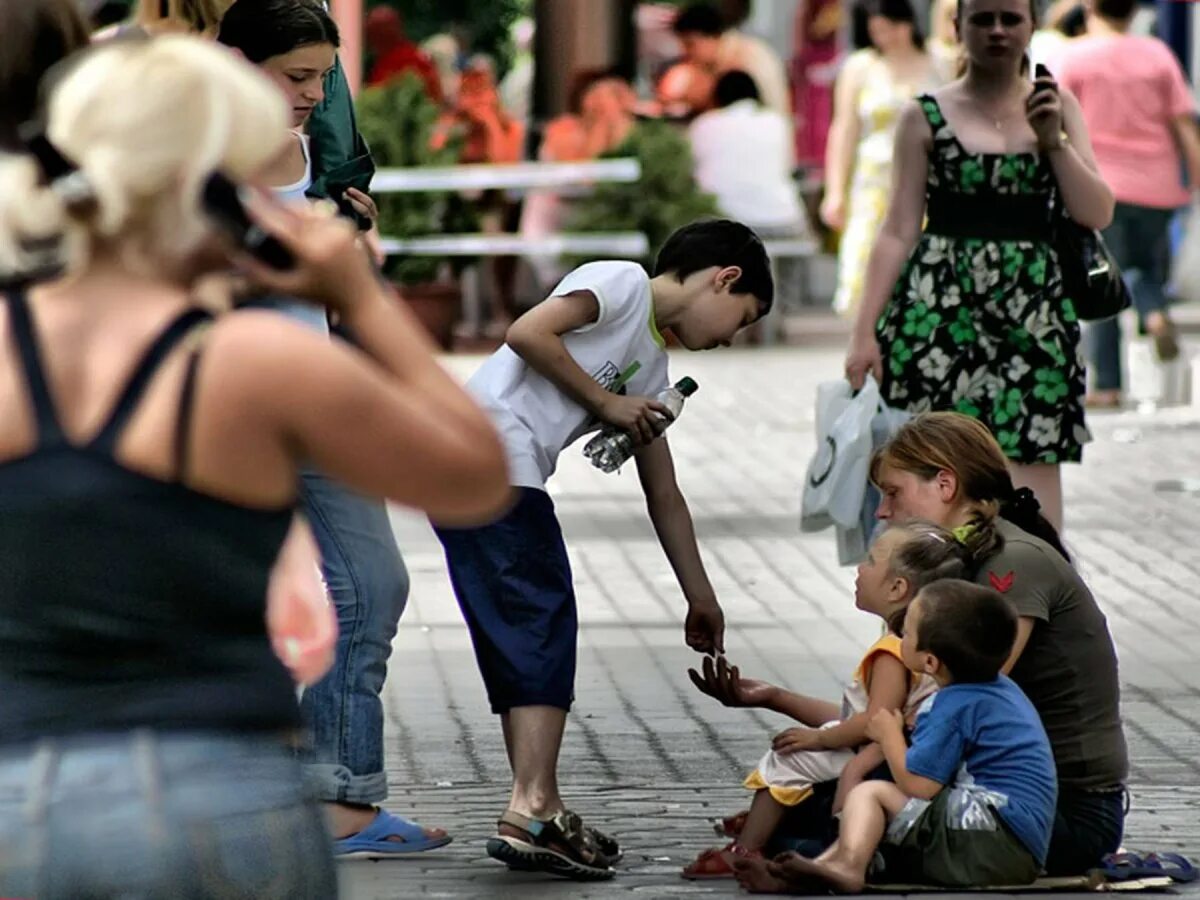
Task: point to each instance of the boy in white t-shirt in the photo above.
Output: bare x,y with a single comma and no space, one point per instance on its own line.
556,379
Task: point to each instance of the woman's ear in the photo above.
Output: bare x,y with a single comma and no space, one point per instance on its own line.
899,589
947,485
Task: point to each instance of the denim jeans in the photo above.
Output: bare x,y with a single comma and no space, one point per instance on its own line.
369,586
1139,238
1087,826
160,816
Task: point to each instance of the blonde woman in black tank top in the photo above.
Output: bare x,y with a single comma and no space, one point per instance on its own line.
149,459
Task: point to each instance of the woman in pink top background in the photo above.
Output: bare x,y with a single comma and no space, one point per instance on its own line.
1140,114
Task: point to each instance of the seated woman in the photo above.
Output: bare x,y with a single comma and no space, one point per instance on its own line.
490,134
947,468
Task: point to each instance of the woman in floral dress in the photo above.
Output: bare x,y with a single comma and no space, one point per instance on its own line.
969,313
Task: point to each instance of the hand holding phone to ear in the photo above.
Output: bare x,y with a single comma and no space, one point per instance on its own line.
1043,110
330,266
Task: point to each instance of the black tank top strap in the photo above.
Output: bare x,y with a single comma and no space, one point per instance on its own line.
127,401
183,417
49,430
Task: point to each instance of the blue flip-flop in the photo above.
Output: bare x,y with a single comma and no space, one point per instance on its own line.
372,842
1128,866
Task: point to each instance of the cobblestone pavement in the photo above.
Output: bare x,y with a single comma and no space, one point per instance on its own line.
648,757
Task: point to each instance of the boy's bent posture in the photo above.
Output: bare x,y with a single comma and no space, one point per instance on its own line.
590,354
973,802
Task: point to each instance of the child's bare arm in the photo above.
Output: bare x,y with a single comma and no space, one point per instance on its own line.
887,689
808,710
704,628
887,730
855,772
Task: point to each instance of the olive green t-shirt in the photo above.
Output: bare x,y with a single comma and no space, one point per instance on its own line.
1069,666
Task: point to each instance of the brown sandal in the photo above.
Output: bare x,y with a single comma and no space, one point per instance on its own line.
561,845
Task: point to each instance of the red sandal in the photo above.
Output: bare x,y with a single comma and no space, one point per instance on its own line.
731,826
712,863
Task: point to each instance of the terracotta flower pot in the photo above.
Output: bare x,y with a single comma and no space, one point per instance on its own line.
437,304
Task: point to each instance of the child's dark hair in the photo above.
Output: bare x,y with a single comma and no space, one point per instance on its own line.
925,554
733,87
720,242
968,627
261,29
700,18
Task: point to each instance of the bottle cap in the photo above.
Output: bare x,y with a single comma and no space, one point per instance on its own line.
686,386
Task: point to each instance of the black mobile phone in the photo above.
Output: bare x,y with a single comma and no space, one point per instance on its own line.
1040,71
223,203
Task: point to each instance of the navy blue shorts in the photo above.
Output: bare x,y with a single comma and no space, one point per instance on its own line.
513,583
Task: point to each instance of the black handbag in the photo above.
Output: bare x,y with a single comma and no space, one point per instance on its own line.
1091,278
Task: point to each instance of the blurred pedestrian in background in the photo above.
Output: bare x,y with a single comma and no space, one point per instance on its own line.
871,90
1141,117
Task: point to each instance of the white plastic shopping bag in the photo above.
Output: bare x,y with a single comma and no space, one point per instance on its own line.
1185,267
836,480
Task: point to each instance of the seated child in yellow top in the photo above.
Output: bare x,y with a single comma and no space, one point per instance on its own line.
902,560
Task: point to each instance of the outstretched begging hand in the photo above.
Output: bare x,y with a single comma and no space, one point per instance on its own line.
724,683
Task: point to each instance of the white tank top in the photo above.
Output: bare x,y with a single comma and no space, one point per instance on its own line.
306,313
295,192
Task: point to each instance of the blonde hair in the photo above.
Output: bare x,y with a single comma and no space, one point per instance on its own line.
146,122
191,15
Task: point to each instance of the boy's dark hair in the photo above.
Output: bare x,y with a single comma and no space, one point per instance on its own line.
261,29
700,18
735,86
968,627
720,242
1120,10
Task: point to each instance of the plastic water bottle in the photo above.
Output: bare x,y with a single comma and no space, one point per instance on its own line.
612,447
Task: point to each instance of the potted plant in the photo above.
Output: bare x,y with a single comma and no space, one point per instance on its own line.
664,198
397,120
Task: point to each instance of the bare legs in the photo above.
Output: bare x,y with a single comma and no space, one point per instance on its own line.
532,737
843,867
765,815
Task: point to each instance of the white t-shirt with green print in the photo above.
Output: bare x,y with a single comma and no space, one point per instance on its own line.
622,350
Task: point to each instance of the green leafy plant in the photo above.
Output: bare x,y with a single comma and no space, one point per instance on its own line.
666,197
487,22
398,119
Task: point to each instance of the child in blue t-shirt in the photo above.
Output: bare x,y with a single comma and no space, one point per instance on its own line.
973,802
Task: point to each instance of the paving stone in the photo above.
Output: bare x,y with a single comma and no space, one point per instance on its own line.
649,757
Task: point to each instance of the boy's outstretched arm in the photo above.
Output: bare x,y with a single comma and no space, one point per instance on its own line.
704,628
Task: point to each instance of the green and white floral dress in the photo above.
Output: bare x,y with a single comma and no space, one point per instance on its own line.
978,322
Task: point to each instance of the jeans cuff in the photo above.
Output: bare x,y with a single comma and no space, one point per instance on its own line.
337,784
